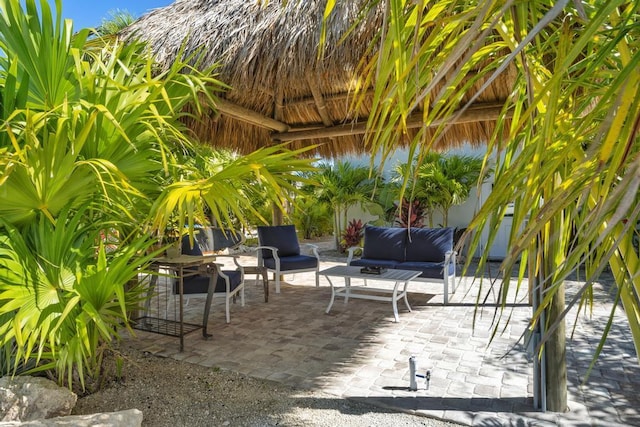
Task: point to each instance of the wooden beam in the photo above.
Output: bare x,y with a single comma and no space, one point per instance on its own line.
477,113
321,106
343,96
244,114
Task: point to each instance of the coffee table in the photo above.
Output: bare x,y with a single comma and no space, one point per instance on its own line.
365,292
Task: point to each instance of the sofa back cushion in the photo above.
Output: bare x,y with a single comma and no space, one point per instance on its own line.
214,239
187,249
283,237
429,244
386,243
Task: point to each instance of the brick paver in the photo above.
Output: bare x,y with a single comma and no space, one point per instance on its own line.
357,351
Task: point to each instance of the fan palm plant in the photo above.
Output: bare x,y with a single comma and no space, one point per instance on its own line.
87,148
570,160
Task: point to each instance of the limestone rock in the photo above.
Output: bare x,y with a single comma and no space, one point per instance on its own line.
24,398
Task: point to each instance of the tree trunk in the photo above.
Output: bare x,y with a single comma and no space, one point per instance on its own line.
277,217
553,324
555,356
336,227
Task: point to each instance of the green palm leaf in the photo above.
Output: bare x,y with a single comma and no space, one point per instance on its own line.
571,158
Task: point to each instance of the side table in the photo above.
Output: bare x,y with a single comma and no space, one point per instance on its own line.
182,267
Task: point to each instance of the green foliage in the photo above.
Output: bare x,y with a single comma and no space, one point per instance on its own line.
312,218
440,181
446,180
90,144
267,174
343,185
411,214
118,20
570,159
61,295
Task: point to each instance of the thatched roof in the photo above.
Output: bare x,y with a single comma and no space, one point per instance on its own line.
281,91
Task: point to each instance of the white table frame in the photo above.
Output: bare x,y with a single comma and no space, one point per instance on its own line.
366,292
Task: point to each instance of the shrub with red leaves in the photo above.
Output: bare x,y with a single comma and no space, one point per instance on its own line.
352,235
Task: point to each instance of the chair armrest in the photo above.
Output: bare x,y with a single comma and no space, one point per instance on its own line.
314,249
352,250
235,260
273,249
450,257
210,268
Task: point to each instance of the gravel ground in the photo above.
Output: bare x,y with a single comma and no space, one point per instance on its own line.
173,393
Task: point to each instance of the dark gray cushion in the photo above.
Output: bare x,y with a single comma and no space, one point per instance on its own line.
295,262
199,284
187,249
283,237
225,238
432,270
429,244
386,243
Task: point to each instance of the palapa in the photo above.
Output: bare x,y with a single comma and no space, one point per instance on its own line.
267,52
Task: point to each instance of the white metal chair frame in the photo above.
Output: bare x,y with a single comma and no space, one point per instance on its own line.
278,272
229,294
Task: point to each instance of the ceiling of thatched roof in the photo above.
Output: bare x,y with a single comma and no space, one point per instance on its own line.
280,90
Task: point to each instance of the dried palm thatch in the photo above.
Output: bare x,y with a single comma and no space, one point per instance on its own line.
280,89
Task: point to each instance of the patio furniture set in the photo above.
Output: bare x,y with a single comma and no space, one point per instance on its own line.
389,255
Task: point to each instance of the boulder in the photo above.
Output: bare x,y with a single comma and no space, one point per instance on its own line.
24,398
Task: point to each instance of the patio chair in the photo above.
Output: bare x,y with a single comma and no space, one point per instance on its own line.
279,252
229,284
215,240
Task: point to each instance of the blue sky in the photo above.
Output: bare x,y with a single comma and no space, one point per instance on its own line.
91,13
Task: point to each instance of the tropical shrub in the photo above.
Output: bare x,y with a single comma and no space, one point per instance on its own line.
352,235
411,213
439,182
344,185
450,178
59,283
312,218
81,156
90,145
566,143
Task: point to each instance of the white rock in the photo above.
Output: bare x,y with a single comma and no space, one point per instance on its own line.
24,398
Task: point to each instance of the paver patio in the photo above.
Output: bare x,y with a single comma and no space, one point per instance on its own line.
357,351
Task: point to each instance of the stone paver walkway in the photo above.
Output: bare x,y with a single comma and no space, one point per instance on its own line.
358,352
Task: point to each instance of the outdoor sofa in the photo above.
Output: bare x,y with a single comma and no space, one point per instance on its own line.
428,250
